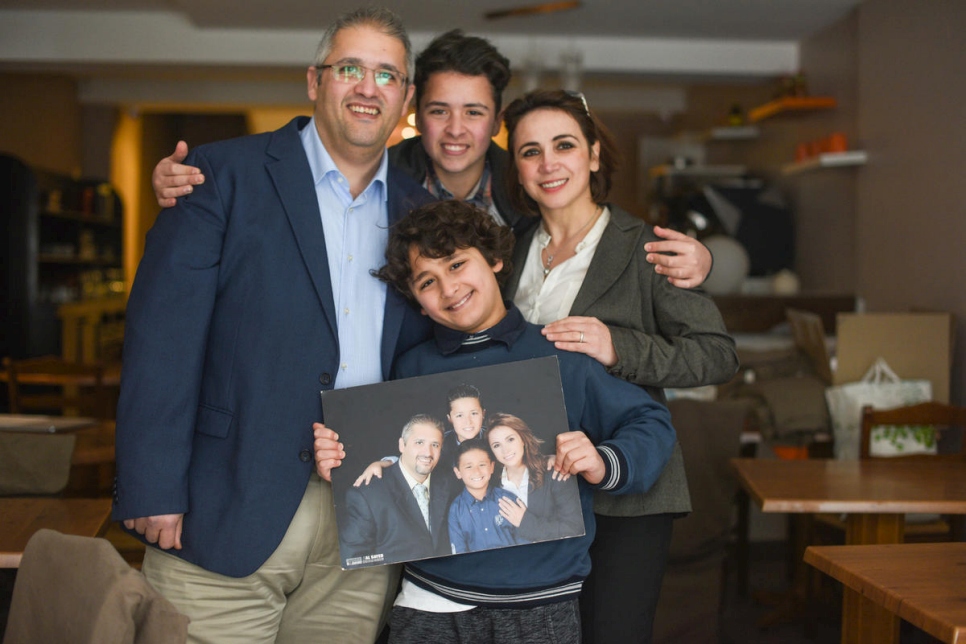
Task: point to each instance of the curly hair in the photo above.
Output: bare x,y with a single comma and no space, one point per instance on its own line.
535,462
574,105
454,51
437,230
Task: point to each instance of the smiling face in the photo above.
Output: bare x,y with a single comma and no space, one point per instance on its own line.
355,120
419,452
466,417
475,468
554,161
506,446
460,291
456,117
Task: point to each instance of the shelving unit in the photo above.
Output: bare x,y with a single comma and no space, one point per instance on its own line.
827,160
734,133
64,246
668,170
790,104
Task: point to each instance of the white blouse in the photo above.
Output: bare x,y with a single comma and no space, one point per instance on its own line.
543,301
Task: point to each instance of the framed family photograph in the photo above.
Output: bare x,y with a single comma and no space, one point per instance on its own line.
451,463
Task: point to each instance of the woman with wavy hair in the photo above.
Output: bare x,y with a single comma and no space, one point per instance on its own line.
583,272
542,510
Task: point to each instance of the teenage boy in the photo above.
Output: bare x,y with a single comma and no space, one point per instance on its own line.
459,83
465,416
449,258
475,522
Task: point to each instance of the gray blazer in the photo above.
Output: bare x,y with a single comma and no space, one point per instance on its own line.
664,336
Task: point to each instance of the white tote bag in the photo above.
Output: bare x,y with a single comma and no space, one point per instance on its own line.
881,388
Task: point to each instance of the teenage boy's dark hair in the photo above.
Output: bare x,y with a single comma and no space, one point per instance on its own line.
464,390
454,51
437,230
471,444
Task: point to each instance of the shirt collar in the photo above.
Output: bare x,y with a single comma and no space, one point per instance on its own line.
322,165
480,196
506,332
411,481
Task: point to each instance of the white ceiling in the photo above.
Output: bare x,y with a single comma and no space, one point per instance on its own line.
143,51
717,19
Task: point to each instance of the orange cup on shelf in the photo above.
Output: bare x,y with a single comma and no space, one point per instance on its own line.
837,142
791,452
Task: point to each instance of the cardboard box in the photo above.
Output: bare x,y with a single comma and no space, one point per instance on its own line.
915,345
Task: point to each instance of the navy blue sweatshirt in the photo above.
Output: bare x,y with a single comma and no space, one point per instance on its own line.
633,435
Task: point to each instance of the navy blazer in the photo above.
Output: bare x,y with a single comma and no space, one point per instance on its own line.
383,518
231,332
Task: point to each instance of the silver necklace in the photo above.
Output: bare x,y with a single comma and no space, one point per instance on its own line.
549,263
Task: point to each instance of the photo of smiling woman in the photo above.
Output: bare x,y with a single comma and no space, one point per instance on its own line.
543,508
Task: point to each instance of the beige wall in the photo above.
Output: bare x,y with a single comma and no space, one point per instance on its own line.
41,118
911,204
893,230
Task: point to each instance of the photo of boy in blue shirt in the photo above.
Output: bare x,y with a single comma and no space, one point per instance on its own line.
475,522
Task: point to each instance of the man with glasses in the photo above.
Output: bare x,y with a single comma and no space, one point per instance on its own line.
253,294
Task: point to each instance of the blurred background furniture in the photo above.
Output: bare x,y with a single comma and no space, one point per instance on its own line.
921,583
691,593
22,517
77,589
52,385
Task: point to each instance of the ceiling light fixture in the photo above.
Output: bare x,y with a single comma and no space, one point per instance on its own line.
530,10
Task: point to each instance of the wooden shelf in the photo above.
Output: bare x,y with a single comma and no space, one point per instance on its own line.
84,218
734,133
827,160
699,171
791,104
78,261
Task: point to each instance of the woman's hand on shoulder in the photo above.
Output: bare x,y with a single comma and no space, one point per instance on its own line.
583,335
688,264
171,179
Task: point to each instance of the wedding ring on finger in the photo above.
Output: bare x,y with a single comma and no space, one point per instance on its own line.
581,340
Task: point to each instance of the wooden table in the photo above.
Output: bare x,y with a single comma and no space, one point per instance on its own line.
923,583
875,495
41,424
21,517
112,378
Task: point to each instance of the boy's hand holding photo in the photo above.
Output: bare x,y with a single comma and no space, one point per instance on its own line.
329,452
577,455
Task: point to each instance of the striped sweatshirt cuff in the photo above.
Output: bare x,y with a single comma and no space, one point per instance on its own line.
615,475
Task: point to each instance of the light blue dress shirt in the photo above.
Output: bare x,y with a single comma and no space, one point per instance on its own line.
356,233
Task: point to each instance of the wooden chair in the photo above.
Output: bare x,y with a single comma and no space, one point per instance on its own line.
77,589
935,414
939,416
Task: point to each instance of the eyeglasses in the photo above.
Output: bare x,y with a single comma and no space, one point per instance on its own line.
354,73
579,95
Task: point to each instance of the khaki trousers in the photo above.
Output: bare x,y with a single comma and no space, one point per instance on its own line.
300,594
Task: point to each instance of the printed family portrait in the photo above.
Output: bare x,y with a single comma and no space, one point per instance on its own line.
451,463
